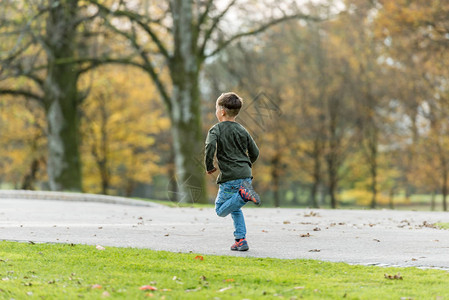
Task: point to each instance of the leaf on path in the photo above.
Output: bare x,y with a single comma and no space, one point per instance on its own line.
315,250
393,277
316,229
101,248
148,288
287,222
264,231
305,235
376,240
311,214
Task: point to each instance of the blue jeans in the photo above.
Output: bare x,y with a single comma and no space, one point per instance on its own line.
228,202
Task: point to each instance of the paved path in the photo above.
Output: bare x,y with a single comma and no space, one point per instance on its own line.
381,237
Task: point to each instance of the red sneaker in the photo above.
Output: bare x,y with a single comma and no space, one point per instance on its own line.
241,245
248,193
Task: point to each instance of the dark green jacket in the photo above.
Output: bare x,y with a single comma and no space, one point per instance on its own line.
236,151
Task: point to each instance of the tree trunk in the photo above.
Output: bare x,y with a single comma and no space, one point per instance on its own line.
30,178
187,139
432,201
185,110
61,98
275,177
316,174
373,166
445,187
391,198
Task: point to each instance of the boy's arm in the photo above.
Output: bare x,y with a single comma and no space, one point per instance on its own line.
253,150
211,146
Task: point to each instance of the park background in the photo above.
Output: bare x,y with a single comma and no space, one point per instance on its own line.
347,100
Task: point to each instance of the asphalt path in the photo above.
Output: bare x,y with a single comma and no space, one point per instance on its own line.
366,237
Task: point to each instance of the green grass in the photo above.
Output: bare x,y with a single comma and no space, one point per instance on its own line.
442,225
44,271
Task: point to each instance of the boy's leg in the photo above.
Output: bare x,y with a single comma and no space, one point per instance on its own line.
239,224
228,199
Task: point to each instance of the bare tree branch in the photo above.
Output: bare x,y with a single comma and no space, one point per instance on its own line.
23,93
203,17
261,29
211,29
146,66
139,20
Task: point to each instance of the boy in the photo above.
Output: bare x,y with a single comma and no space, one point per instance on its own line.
236,152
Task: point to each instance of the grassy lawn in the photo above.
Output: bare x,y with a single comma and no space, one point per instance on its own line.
442,225
44,271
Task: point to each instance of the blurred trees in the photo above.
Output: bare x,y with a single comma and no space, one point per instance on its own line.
121,126
39,42
350,106
183,35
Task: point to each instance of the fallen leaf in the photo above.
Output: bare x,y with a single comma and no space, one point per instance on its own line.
305,235
395,277
106,294
287,222
96,287
376,240
199,257
316,229
225,289
148,288
315,250
101,248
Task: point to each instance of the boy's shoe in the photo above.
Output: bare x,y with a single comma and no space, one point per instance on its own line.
241,245
247,193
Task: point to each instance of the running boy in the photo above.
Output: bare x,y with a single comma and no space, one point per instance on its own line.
236,152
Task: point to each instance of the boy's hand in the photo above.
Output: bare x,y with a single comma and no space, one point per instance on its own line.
211,171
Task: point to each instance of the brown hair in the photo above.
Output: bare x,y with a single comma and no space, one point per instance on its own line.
231,102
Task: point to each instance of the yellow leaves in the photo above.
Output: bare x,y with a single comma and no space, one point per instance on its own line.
22,138
122,117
